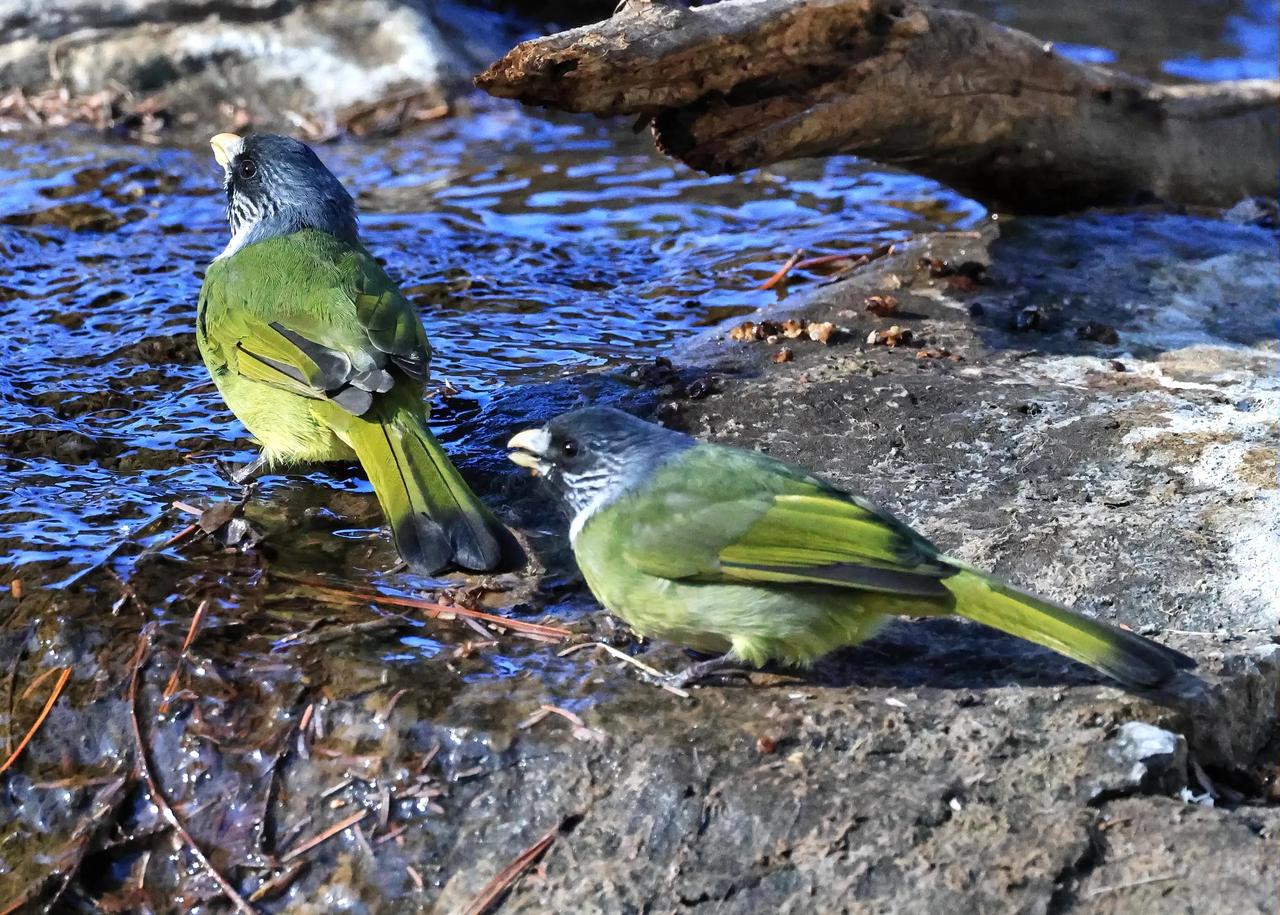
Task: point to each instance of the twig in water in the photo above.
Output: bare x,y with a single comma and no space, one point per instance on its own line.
153,787
414,876
436,611
340,786
44,713
430,757
381,716
333,633
796,263
75,781
384,809
856,260
126,591
469,647
496,888
278,883
196,619
287,837
658,676
142,872
192,528
364,841
324,836
172,685
13,685
179,537
786,268
391,833
478,627
580,729
35,684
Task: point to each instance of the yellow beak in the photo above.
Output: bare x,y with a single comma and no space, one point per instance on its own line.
528,448
226,146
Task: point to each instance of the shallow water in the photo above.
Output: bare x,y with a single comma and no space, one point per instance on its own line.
1157,39
535,248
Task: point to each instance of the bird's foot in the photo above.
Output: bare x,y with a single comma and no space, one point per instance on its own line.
239,476
720,668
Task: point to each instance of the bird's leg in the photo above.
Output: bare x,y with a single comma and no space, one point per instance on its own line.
239,477
725,665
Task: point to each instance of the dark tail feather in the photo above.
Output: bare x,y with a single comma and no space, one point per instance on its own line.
1135,661
435,519
472,530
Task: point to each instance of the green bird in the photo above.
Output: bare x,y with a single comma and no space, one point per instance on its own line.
315,350
735,553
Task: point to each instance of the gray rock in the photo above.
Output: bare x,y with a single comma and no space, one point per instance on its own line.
279,60
1161,856
1137,480
1150,758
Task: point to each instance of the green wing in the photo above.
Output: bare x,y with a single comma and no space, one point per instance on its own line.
312,315
718,514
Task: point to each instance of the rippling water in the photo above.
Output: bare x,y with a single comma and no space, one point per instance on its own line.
1165,40
533,248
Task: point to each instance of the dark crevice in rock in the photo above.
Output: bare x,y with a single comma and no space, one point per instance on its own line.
1068,879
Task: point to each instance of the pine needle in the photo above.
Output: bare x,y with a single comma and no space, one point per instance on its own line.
498,886
44,713
659,678
782,271
435,611
35,684
324,836
153,787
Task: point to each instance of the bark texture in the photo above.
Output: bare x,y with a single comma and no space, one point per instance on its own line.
991,111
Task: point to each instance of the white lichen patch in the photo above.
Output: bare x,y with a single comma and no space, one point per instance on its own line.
1208,422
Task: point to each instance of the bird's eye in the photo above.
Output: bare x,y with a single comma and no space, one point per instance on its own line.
247,168
569,447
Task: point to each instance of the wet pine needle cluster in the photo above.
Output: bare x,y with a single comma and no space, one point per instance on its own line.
218,737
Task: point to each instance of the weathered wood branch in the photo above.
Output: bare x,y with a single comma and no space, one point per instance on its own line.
989,110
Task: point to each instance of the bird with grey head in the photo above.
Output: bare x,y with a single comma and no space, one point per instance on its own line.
734,553
316,351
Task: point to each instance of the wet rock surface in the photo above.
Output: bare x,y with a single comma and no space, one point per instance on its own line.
941,766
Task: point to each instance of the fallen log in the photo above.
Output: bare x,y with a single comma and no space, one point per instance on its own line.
991,111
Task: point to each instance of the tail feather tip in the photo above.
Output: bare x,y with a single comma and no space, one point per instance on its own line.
422,543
